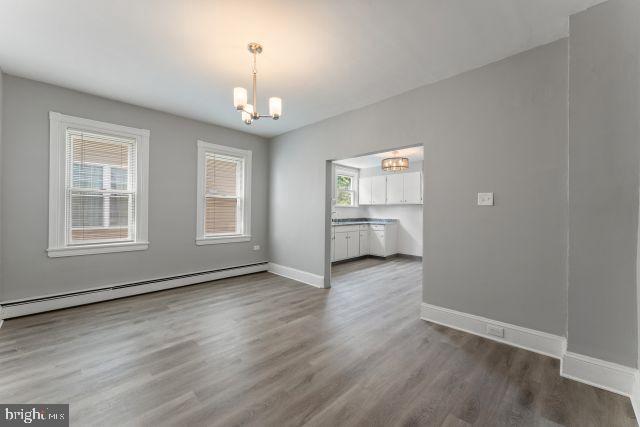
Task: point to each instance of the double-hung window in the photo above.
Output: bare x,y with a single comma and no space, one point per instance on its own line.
97,187
346,181
224,194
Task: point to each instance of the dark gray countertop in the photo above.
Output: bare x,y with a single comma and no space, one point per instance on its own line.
356,221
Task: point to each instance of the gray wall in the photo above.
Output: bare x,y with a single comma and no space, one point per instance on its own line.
1,240
500,128
604,134
28,272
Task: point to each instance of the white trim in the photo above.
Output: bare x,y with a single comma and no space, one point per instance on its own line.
635,396
109,293
97,249
222,239
517,336
599,373
298,275
58,125
205,147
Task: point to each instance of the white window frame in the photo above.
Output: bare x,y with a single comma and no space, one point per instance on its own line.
355,176
205,147
58,244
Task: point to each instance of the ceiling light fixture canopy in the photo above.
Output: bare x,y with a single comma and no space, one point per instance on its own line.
250,111
395,164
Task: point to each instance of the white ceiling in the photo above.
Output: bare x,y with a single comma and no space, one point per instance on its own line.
323,57
374,160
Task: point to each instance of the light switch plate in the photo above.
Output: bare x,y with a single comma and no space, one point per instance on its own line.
485,199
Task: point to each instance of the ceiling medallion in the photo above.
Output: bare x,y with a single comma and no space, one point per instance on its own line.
250,111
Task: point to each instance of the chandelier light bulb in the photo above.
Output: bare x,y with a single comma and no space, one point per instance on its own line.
239,97
275,107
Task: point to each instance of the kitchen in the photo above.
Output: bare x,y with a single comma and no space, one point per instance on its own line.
377,206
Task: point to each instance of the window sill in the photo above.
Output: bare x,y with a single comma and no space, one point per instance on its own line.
97,249
222,239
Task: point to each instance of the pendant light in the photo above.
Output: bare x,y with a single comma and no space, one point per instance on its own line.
249,112
395,164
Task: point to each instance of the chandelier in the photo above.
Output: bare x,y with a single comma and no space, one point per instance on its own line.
394,164
250,111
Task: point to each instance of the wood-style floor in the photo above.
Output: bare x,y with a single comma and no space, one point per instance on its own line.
267,351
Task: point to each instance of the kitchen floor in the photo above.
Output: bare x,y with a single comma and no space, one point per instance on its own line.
264,350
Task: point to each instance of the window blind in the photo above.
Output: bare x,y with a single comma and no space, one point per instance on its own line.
100,188
223,201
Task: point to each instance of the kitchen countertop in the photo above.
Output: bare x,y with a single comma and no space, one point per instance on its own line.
357,221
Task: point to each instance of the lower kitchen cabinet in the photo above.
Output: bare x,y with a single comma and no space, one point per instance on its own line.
364,240
341,246
352,241
376,243
353,244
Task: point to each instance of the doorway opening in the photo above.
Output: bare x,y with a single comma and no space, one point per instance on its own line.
374,215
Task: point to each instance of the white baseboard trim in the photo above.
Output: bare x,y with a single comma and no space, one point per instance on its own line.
528,339
54,302
298,275
635,396
599,373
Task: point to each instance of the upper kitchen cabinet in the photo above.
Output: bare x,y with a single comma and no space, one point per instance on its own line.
365,191
379,190
372,190
412,187
393,189
404,188
395,193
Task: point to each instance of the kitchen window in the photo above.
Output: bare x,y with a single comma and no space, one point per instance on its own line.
346,182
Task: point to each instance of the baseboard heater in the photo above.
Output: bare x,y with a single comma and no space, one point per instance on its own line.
54,302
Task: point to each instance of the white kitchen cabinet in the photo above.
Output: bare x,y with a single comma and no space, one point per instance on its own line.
364,240
352,241
379,190
404,188
412,187
394,189
346,242
353,244
383,240
341,246
376,242
364,190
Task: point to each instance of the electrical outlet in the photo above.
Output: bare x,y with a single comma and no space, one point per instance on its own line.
256,247
496,331
485,199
